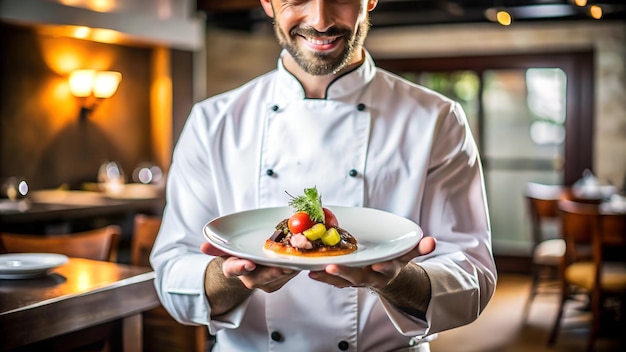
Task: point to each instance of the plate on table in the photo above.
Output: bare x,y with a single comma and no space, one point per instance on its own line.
29,265
380,236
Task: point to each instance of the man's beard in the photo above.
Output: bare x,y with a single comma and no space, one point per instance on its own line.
321,63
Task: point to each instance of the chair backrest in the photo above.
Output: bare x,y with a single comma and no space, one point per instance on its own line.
97,244
585,223
610,237
543,206
578,221
602,233
144,234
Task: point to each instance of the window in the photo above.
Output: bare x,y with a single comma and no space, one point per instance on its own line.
531,116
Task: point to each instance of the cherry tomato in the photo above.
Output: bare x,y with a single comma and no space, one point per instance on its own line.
330,220
299,222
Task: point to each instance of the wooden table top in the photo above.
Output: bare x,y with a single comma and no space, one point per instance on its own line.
79,294
63,205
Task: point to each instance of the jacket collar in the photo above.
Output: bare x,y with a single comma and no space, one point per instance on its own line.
343,86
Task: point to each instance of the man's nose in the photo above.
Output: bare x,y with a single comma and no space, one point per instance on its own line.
321,15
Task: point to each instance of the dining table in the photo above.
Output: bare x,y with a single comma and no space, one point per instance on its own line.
76,301
57,211
44,207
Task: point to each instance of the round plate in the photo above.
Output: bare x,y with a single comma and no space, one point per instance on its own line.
28,265
380,235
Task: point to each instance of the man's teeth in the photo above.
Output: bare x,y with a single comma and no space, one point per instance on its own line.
320,41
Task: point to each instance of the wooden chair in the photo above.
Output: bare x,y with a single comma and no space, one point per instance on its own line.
594,261
161,332
98,244
145,231
547,250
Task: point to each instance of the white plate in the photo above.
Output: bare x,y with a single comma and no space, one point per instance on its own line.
28,265
380,236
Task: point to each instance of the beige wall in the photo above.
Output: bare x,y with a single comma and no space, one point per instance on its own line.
236,57
233,58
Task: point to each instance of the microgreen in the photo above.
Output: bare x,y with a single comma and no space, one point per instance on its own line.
310,203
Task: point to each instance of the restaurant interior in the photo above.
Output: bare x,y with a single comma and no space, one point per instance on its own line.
95,93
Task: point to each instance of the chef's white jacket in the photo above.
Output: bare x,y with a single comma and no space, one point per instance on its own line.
375,141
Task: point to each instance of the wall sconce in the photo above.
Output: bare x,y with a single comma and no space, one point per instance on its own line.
92,86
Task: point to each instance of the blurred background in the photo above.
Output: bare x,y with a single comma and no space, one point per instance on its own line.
94,94
545,94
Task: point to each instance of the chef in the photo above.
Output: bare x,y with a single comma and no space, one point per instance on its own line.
327,117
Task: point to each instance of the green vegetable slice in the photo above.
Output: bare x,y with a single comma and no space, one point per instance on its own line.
315,232
331,237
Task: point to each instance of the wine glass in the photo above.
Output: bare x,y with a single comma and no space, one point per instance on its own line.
148,174
111,177
15,189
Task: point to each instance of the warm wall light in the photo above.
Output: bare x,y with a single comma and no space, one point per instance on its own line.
504,18
105,83
499,15
595,11
92,86
81,82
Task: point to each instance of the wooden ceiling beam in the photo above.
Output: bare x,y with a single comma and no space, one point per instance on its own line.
226,5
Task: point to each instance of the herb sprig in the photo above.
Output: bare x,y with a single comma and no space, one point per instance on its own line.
310,203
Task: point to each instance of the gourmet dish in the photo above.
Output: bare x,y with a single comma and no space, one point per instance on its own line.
312,231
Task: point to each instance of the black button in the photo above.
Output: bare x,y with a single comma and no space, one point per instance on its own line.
343,345
276,336
275,108
360,107
353,173
269,172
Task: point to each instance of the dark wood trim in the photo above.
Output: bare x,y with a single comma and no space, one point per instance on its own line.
513,264
226,5
579,143
182,89
94,338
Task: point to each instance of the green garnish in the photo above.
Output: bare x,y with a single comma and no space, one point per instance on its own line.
310,203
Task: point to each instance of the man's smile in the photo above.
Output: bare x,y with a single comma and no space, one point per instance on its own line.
321,43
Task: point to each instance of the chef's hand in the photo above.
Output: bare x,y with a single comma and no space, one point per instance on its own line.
208,248
252,275
376,276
